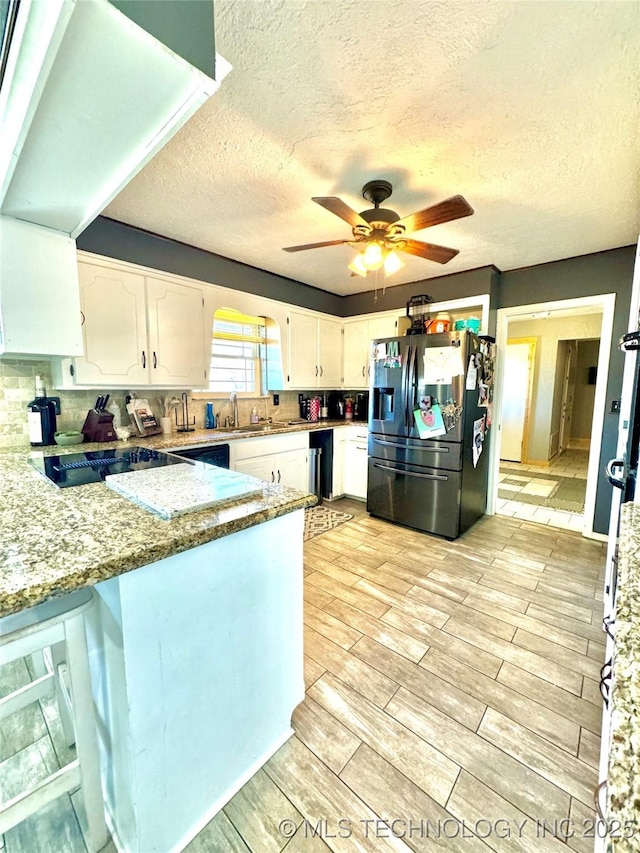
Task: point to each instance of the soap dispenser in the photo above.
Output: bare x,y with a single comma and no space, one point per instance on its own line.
254,415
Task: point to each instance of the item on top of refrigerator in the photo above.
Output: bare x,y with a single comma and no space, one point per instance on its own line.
416,312
470,323
440,323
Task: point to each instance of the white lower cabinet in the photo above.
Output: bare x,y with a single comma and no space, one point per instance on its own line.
355,461
280,459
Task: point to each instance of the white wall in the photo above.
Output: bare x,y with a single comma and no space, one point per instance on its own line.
549,332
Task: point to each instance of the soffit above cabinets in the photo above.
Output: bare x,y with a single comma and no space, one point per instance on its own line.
89,97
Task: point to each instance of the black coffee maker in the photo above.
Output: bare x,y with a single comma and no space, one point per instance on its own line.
335,406
361,406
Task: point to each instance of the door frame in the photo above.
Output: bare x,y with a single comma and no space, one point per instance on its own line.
533,343
569,357
606,304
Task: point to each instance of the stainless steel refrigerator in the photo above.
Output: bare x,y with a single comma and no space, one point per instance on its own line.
429,384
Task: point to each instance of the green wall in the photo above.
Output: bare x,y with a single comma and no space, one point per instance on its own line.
186,26
587,275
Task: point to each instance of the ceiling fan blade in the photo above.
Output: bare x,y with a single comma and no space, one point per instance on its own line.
452,208
316,245
337,206
439,254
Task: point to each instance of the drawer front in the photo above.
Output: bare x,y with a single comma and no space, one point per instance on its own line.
249,448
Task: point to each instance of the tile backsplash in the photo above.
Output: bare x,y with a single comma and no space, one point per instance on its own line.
17,390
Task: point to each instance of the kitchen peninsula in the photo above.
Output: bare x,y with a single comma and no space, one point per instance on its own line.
195,639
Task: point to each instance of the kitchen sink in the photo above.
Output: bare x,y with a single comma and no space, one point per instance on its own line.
257,427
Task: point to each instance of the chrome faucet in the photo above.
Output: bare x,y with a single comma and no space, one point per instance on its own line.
233,399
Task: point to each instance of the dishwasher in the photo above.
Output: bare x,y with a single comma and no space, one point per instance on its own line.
212,454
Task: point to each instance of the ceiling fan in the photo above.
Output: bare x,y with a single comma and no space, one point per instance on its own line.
379,232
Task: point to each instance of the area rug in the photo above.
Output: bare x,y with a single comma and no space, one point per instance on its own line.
320,519
565,493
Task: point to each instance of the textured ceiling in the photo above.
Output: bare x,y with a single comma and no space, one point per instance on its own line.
528,109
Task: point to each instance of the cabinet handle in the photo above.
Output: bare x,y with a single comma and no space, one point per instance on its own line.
605,685
321,371
155,360
369,370
273,477
144,359
596,799
608,622
82,321
363,369
316,369
278,476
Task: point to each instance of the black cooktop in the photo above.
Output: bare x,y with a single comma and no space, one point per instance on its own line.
78,469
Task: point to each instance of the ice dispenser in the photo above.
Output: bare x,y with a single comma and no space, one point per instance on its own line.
383,404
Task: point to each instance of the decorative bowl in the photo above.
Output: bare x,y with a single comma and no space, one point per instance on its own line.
71,437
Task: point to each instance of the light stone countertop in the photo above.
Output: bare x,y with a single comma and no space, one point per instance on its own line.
53,541
623,777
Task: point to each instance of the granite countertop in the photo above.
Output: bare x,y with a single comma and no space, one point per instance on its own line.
53,541
623,777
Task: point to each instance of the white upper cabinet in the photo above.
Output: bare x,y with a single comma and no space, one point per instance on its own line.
358,335
137,330
329,353
39,301
89,98
315,351
175,314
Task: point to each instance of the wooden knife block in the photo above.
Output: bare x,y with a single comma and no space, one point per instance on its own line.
98,426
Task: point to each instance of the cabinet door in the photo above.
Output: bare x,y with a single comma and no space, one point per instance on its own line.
292,469
382,327
355,469
337,487
261,467
330,353
114,329
176,344
356,354
303,351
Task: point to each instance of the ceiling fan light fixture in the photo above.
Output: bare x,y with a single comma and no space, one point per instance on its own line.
373,256
392,263
357,266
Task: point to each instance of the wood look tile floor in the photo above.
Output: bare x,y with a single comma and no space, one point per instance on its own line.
451,702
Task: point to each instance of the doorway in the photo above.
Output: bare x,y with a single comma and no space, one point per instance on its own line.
540,453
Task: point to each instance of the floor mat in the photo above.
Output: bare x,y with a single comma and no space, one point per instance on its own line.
565,493
320,519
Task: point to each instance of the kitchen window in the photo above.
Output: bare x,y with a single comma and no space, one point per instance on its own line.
237,353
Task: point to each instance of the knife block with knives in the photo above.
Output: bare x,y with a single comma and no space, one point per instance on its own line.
98,425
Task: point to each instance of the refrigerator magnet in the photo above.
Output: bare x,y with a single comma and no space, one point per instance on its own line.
483,395
472,374
429,422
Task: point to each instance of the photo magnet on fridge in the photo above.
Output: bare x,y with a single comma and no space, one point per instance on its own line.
429,422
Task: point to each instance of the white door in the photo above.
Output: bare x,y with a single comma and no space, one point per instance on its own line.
568,395
114,328
303,351
176,323
516,398
356,354
330,345
292,469
261,467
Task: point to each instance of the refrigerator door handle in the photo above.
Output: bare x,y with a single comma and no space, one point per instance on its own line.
400,444
410,473
617,482
405,387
